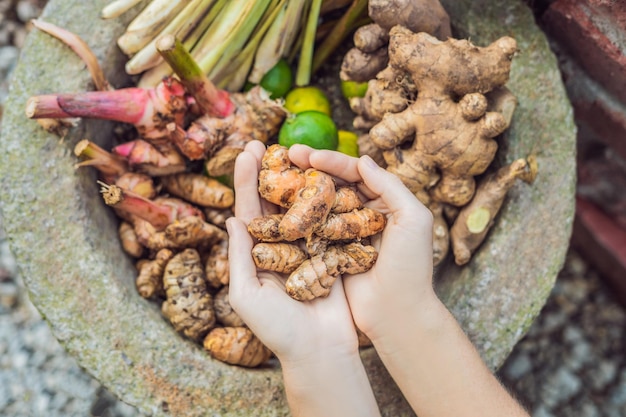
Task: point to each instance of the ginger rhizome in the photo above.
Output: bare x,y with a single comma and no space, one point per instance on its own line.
432,116
321,232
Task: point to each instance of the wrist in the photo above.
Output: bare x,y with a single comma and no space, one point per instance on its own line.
421,319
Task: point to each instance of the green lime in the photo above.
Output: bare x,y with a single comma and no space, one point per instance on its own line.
311,128
348,143
279,80
307,98
353,89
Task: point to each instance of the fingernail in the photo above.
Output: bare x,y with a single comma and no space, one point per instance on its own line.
370,163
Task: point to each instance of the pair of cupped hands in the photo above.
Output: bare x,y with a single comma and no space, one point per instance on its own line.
376,301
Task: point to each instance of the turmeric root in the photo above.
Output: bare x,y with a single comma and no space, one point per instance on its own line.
236,346
149,281
310,208
188,306
265,229
354,225
193,232
216,267
475,219
279,257
129,240
223,310
346,200
218,217
441,234
315,276
279,180
199,189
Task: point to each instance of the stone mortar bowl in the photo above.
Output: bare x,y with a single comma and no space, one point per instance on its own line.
65,241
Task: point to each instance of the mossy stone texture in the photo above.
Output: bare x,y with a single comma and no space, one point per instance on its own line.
69,255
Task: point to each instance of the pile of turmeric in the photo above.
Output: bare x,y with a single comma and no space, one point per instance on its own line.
320,235
431,116
172,217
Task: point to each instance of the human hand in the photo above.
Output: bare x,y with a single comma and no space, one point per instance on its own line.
295,331
400,283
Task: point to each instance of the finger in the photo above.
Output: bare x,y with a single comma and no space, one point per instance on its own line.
336,164
243,273
393,193
247,200
257,148
299,155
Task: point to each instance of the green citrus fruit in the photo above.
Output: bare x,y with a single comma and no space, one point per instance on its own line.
279,80
348,143
311,128
307,98
353,89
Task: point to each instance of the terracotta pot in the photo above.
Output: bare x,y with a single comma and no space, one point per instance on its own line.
66,245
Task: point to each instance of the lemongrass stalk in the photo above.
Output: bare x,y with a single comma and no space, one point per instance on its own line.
339,32
233,26
148,24
148,57
211,100
80,48
154,75
277,40
234,48
332,5
303,73
237,64
117,8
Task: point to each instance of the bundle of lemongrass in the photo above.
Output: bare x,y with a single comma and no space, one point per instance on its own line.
235,41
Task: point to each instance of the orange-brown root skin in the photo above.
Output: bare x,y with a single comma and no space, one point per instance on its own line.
315,276
279,180
265,229
310,208
149,281
236,346
278,257
199,189
223,310
356,224
129,240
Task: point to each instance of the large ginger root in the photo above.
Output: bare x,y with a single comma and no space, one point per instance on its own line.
475,219
236,346
189,306
369,56
451,141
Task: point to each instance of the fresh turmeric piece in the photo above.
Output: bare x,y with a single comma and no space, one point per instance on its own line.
236,346
475,220
279,180
346,200
278,257
441,234
216,267
129,240
217,217
315,276
224,311
199,189
310,207
188,306
265,229
356,224
149,281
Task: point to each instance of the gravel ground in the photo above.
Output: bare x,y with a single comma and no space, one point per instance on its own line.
571,363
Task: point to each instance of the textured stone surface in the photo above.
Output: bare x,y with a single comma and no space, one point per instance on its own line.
68,254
